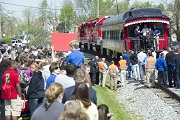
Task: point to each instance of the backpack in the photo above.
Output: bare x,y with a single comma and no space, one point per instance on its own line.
6,88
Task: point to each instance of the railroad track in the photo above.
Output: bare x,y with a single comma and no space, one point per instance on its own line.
169,96
169,92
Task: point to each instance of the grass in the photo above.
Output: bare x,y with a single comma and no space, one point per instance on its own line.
109,97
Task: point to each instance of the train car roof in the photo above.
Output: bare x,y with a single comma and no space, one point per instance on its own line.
133,14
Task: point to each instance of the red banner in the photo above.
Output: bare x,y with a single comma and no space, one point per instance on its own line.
61,41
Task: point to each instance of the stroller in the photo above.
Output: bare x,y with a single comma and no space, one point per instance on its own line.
25,108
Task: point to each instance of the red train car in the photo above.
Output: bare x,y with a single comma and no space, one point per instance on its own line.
118,31
90,34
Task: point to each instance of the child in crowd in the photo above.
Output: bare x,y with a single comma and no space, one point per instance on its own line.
104,112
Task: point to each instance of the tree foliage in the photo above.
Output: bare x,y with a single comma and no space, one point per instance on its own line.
7,40
174,13
8,22
43,12
105,7
139,4
85,9
67,16
123,6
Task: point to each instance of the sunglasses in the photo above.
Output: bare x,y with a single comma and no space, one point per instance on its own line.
57,68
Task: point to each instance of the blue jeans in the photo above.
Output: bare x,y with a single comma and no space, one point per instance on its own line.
141,71
129,69
35,103
35,57
162,77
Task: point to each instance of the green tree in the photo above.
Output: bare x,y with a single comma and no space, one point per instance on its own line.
7,40
88,9
123,6
105,8
174,13
43,11
28,25
160,6
7,21
139,4
67,16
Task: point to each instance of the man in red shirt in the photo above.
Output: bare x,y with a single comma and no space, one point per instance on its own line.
12,106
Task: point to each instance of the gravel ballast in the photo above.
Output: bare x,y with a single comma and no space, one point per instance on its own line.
143,102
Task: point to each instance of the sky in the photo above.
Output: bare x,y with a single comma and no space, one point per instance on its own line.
35,3
18,10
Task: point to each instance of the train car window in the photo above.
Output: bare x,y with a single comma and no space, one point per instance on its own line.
114,38
111,35
104,35
117,35
107,36
121,35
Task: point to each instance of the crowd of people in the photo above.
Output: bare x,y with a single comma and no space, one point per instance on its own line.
146,37
147,67
57,85
60,85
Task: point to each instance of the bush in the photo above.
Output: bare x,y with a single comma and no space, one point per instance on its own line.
7,40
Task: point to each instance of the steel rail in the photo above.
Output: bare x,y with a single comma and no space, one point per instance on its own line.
168,91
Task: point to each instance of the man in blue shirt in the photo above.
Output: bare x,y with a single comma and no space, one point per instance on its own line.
76,57
161,66
156,31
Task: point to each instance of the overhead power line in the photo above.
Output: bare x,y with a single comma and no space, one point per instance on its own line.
28,6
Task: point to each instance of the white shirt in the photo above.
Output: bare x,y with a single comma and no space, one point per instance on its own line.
143,31
165,52
45,74
142,56
65,81
91,111
154,55
35,53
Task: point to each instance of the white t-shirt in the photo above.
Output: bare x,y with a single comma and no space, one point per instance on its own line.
65,80
35,53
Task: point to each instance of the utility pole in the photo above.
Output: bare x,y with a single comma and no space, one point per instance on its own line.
97,8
